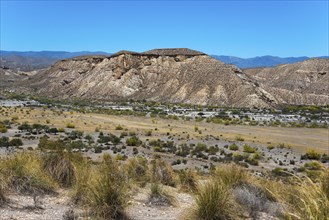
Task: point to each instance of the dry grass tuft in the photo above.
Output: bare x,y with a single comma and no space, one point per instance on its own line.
162,172
60,168
214,201
188,180
107,190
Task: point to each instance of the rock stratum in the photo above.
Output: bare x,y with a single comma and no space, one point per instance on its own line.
180,76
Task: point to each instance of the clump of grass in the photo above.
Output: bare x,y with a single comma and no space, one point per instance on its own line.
23,172
231,175
302,197
162,172
60,168
214,201
137,170
160,196
107,190
188,180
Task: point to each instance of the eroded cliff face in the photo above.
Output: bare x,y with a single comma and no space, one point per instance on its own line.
303,83
159,75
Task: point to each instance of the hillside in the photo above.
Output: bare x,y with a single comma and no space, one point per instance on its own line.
166,75
303,83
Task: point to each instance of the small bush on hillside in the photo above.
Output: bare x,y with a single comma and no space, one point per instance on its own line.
133,141
233,147
248,149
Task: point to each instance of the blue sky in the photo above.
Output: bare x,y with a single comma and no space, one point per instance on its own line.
237,28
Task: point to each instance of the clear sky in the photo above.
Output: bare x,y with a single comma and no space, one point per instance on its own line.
237,28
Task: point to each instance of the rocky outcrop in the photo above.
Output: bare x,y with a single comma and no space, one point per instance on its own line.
166,75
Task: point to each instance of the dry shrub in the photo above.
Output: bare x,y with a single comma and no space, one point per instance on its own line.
162,172
60,168
256,199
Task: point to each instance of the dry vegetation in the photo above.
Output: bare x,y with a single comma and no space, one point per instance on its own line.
104,188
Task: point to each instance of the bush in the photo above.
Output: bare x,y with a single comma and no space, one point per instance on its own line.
248,149
133,141
314,165
311,155
233,147
69,125
239,138
15,142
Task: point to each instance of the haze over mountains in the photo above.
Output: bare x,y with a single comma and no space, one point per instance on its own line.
32,60
176,75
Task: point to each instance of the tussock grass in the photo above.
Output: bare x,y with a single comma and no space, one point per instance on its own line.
231,175
159,196
137,170
214,201
60,168
301,197
23,173
162,172
107,190
188,180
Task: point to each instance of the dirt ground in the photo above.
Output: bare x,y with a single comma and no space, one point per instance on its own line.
300,139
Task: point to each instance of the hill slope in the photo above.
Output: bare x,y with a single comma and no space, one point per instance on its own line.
167,75
303,83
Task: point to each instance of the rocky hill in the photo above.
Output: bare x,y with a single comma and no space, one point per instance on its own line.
180,76
303,83
167,75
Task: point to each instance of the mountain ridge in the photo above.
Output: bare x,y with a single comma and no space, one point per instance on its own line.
32,60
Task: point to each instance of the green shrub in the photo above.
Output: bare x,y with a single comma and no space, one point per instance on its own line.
248,149
233,147
133,141
69,125
239,138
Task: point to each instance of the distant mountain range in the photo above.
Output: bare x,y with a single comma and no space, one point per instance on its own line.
262,61
31,60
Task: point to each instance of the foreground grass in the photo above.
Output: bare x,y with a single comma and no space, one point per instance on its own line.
104,189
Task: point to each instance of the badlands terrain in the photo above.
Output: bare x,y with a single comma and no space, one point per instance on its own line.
164,134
